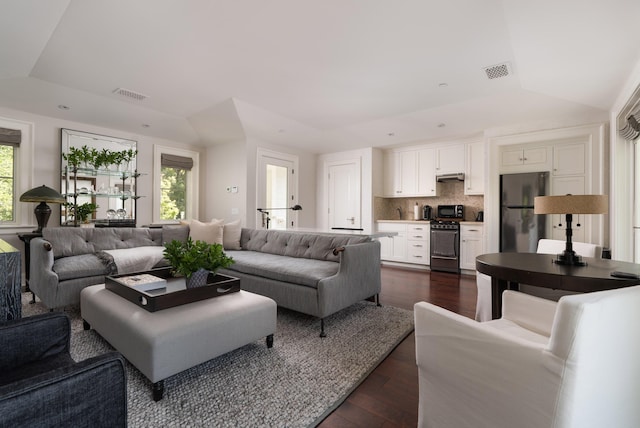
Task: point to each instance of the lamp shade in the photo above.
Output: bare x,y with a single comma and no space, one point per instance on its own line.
571,204
42,194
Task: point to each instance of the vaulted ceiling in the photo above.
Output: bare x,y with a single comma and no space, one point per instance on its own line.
320,75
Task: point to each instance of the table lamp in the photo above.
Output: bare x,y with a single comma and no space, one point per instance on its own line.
569,205
42,194
265,212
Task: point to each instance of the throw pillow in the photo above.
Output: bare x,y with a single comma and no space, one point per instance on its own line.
176,232
231,236
211,233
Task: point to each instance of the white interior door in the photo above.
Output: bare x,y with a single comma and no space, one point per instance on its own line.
276,190
344,195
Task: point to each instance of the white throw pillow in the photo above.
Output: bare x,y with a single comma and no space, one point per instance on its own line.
211,233
231,236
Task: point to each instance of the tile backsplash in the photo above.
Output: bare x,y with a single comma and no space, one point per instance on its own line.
449,193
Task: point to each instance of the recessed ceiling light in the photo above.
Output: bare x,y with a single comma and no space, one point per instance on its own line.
443,85
146,125
441,125
63,107
391,134
281,131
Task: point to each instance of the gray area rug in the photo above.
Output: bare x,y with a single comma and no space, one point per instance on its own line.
297,383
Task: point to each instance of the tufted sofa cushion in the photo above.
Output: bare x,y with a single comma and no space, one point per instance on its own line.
68,241
295,270
297,244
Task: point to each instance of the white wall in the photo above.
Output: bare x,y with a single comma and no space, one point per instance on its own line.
225,167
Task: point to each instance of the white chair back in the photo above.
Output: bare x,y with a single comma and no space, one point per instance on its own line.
554,246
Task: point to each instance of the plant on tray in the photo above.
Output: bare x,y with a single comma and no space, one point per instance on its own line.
195,260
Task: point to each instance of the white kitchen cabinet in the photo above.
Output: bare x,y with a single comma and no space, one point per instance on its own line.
400,173
410,173
410,245
393,248
471,236
426,172
525,159
450,159
418,243
569,159
474,172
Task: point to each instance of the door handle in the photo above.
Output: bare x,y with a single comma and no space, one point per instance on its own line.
352,219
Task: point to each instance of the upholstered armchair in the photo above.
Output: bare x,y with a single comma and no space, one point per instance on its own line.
545,246
566,364
41,385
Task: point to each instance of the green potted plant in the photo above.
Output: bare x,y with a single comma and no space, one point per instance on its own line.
195,260
82,212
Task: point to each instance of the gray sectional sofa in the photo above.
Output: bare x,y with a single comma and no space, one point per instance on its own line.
313,273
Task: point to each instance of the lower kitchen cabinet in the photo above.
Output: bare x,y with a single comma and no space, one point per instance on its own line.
418,243
409,245
471,236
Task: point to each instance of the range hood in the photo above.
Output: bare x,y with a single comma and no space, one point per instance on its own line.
450,177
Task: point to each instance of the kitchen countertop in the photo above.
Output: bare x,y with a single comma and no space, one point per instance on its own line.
424,221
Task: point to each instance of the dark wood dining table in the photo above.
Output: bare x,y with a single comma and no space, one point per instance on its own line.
507,270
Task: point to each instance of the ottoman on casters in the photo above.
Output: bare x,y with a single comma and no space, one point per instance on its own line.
163,343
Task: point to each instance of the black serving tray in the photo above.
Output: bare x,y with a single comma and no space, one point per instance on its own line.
176,293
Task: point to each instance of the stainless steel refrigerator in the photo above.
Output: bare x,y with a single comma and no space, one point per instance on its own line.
520,228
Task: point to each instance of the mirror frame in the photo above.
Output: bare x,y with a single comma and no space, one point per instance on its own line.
111,181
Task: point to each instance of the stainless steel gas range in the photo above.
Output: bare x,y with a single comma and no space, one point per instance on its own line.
445,246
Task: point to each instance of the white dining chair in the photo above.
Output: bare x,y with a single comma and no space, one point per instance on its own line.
545,246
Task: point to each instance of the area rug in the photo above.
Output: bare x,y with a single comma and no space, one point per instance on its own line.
297,383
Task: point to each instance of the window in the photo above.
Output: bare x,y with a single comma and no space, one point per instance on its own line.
7,182
9,143
175,184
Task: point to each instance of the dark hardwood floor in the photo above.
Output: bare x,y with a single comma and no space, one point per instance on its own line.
389,396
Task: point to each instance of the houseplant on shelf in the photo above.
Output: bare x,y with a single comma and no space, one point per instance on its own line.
195,260
82,212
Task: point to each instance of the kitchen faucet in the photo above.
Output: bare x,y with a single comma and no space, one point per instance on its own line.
399,212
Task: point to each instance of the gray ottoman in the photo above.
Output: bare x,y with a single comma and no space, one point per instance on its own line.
163,343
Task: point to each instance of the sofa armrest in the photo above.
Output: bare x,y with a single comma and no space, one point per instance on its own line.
33,338
358,278
89,393
41,272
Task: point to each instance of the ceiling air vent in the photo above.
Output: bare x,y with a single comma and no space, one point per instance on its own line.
499,70
130,94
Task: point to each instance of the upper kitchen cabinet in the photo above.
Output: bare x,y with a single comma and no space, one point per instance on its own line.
569,159
474,171
450,159
409,173
426,172
525,159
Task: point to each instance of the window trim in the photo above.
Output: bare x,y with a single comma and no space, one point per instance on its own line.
193,189
23,174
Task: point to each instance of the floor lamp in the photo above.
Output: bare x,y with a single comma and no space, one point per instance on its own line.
266,220
569,205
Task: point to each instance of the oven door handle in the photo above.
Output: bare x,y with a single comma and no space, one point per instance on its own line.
444,258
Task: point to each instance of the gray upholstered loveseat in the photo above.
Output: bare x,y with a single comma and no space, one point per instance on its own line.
313,273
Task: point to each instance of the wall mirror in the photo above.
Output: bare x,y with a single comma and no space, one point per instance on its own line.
100,170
